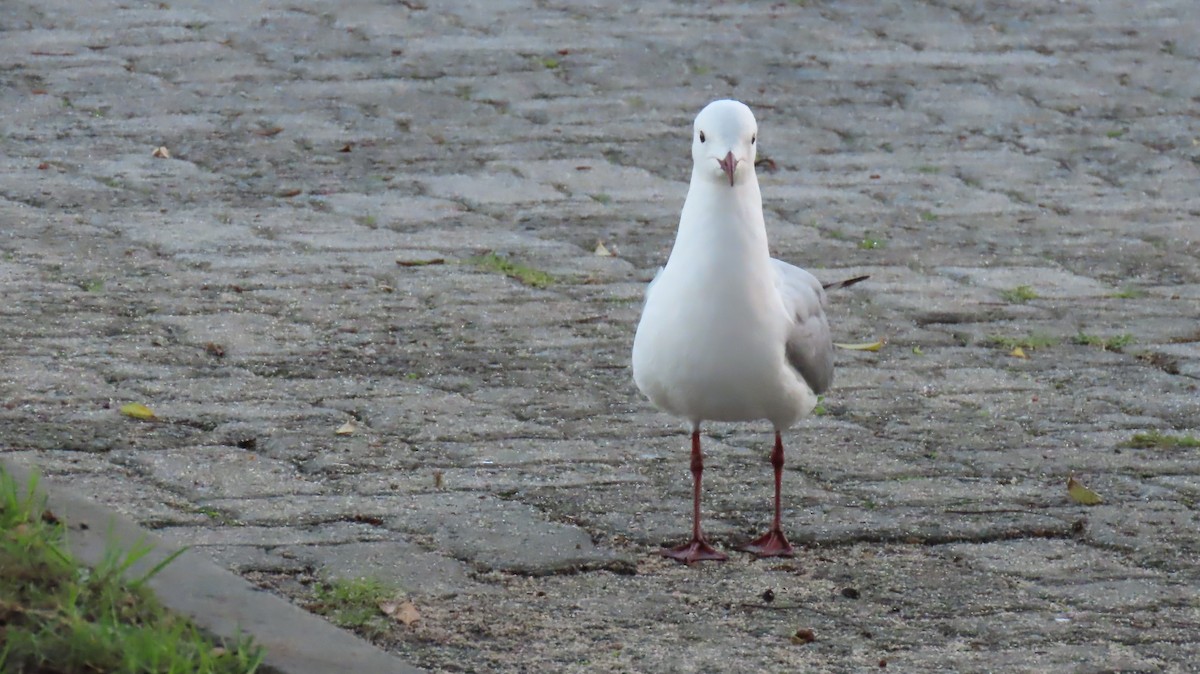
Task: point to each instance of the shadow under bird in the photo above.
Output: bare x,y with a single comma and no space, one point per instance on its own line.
727,333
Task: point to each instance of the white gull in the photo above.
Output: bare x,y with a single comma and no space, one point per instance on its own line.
728,333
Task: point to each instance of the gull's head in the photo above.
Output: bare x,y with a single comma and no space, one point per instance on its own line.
724,139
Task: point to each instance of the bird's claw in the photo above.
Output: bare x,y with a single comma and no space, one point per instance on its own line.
696,550
771,544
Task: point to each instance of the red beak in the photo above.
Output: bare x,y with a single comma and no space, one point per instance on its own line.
728,164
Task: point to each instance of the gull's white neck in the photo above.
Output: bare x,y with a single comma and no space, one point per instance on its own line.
721,229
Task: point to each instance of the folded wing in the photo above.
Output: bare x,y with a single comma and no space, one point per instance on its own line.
809,346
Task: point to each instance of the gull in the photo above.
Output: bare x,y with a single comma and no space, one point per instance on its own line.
727,333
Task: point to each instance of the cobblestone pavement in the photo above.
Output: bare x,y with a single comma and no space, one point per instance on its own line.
313,251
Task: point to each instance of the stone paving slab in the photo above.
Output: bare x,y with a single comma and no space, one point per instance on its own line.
309,254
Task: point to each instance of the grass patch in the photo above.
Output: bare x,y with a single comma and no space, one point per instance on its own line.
1029,342
353,604
1157,440
534,278
601,198
869,243
1128,293
820,410
1019,295
58,616
1115,133
1114,343
929,169
928,216
216,515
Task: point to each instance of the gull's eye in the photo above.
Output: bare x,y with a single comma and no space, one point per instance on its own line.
701,136
753,138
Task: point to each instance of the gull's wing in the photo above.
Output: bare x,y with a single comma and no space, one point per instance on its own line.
845,284
657,275
809,346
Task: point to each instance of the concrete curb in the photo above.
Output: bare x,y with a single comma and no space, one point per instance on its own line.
217,600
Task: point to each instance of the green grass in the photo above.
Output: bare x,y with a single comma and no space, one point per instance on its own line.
1030,341
353,604
534,278
58,616
92,285
601,198
929,169
1128,293
928,216
216,515
1157,440
869,243
820,410
1019,295
1114,343
1115,133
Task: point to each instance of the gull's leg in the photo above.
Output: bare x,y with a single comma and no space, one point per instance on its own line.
773,543
698,549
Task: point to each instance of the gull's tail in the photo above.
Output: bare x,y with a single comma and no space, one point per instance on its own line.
844,284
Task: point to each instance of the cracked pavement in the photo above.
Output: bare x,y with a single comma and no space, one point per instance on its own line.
309,254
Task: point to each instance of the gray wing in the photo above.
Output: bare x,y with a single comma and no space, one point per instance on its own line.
809,346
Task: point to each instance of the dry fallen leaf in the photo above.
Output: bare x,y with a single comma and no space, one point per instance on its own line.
269,131
1018,352
404,612
767,164
1081,494
871,346
602,250
138,411
348,428
161,152
438,479
803,636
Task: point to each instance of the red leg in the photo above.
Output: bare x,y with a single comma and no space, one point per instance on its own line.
697,549
773,543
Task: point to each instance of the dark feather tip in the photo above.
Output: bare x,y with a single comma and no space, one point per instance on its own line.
845,284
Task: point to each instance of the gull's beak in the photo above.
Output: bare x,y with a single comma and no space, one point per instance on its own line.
728,164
